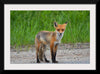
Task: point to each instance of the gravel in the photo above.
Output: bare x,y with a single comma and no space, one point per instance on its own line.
66,54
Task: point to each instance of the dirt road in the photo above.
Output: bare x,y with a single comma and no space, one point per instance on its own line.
66,54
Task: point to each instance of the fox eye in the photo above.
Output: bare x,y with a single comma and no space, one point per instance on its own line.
58,29
62,29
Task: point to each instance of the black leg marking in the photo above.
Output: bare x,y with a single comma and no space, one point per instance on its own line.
54,57
46,59
38,59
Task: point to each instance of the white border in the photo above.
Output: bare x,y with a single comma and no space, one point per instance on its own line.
90,7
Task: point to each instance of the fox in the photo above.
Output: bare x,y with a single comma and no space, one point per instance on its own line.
51,38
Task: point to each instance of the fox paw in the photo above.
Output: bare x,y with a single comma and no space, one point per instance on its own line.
55,62
47,61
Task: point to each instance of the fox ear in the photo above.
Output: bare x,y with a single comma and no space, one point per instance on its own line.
65,23
55,24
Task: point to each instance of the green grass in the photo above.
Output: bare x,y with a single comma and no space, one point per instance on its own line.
24,25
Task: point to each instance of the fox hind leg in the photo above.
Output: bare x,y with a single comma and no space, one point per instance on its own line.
46,59
40,53
37,46
37,55
44,49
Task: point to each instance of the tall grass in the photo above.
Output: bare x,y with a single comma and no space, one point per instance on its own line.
24,25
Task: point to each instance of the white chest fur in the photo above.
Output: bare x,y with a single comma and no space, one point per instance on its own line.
59,37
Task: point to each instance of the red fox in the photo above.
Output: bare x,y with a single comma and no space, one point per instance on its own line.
44,38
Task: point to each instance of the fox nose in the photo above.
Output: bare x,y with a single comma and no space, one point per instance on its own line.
60,33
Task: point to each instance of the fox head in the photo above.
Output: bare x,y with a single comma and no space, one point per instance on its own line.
60,28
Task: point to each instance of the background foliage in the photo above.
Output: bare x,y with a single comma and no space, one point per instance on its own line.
24,25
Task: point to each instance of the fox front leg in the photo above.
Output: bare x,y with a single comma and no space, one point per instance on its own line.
53,52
